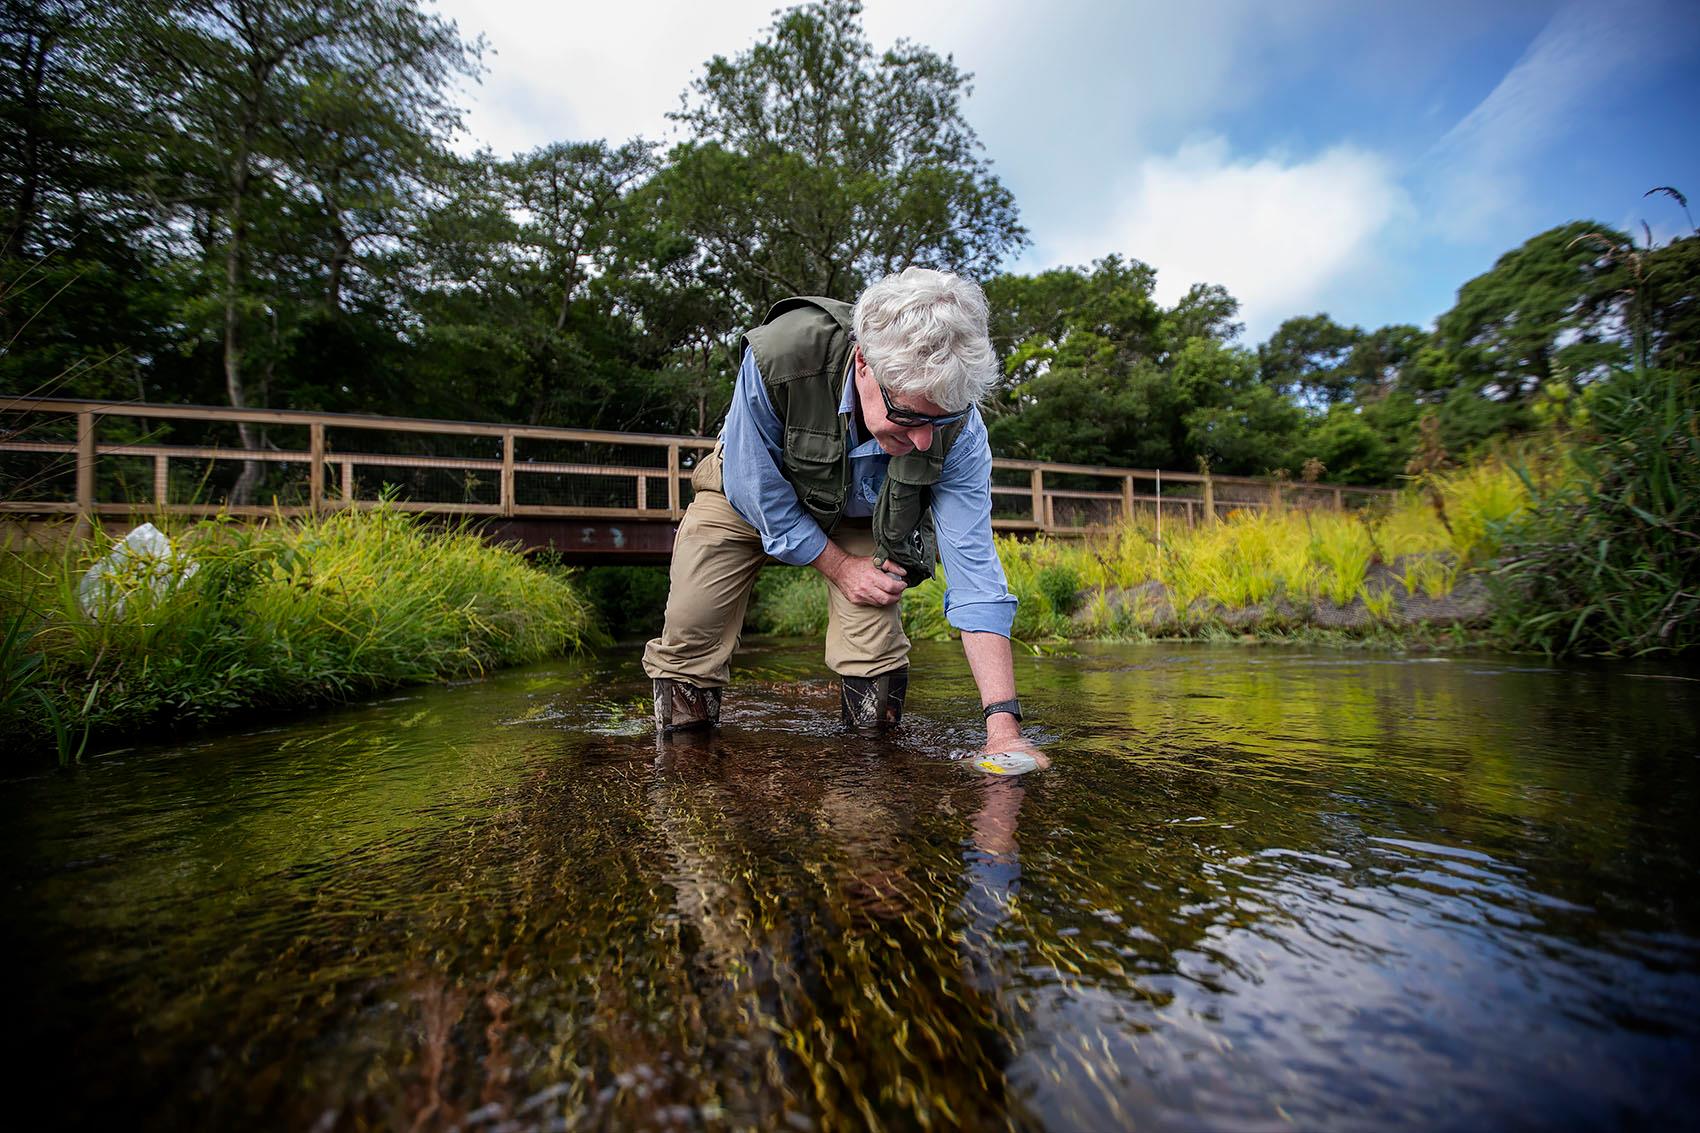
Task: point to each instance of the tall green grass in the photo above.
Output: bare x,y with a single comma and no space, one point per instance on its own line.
279,615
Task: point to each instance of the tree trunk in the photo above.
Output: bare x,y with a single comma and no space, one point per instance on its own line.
339,261
243,493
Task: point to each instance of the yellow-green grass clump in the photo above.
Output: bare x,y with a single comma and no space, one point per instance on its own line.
272,616
1281,562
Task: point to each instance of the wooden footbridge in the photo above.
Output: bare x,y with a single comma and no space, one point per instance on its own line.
593,496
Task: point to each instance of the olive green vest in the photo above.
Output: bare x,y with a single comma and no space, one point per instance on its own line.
803,351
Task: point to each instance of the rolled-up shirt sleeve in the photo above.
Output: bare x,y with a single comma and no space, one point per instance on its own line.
976,596
752,442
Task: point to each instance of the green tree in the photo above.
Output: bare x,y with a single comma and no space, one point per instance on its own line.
528,303
1307,360
817,164
283,129
1671,285
1236,421
1546,303
80,301
1099,373
1080,352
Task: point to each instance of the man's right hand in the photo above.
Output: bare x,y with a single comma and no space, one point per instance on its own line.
858,579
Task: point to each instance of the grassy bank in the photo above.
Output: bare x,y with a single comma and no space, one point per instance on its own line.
1382,574
282,615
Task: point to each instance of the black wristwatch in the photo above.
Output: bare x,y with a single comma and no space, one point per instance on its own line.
1012,706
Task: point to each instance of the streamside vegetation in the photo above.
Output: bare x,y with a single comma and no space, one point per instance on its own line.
1415,570
249,618
1606,559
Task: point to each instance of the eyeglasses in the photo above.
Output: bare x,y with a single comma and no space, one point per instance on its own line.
908,418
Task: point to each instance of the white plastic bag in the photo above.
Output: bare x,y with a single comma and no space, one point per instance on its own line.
144,557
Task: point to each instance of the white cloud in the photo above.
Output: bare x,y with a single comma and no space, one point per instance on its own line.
581,71
1279,235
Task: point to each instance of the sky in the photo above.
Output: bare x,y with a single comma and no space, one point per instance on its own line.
1362,159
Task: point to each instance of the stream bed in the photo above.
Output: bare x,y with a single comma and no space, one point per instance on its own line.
1259,888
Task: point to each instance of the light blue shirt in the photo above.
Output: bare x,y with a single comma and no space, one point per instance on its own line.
976,596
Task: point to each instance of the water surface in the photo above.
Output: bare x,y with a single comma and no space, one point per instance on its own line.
1259,889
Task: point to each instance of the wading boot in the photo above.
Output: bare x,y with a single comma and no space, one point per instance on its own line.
873,704
680,706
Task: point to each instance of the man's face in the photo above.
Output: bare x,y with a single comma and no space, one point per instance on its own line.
895,439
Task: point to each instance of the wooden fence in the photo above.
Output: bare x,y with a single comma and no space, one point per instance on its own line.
103,458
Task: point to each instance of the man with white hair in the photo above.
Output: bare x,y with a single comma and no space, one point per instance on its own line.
852,445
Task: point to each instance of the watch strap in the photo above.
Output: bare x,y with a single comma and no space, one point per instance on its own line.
1012,706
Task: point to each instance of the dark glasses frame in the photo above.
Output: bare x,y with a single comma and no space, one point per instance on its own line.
908,418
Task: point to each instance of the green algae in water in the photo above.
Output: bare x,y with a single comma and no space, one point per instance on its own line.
1256,887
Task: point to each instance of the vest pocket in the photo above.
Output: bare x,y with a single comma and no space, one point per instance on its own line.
814,465
808,447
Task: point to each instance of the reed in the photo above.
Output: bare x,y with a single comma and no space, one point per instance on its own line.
274,616
1606,559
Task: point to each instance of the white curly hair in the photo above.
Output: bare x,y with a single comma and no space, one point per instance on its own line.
923,333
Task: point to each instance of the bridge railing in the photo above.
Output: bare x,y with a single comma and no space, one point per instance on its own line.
104,458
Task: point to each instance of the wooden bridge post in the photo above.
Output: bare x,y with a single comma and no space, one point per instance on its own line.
1339,500
673,480
161,482
85,474
1209,498
1038,484
1127,498
315,467
507,499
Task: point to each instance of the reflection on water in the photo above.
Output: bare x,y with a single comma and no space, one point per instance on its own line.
1258,888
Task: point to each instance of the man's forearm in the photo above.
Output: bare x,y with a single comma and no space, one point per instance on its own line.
990,661
830,562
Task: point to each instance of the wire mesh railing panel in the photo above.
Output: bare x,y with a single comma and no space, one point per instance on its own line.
1072,511
446,485
576,489
540,450
211,482
1234,494
23,425
655,492
125,480
38,477
1355,499
397,442
1012,503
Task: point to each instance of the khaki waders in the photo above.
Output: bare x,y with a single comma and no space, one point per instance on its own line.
716,558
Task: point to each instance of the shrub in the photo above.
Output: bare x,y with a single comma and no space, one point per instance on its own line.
1606,560
789,601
